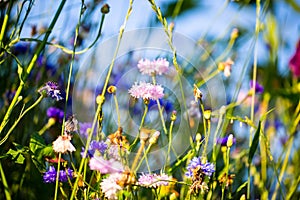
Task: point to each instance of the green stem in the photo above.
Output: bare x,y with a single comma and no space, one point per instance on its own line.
57,177
117,110
101,101
4,24
5,185
160,110
257,25
283,167
30,66
141,125
20,117
170,144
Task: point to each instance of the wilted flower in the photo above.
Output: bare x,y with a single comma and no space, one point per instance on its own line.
63,144
226,67
110,187
196,164
50,175
258,88
197,93
294,63
105,166
154,180
55,113
159,66
146,91
51,89
71,125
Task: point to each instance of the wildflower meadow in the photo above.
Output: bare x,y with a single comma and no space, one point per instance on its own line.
149,99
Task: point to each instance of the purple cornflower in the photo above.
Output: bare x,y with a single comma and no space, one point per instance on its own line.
56,113
159,66
258,88
85,128
146,91
100,146
50,175
51,89
154,180
294,63
64,175
206,168
94,145
223,141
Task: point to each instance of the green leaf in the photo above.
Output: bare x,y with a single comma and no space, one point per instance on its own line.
16,156
254,143
36,142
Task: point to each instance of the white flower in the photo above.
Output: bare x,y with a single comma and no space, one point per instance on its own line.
63,144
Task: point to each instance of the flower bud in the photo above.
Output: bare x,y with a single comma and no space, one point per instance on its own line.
100,99
207,114
173,116
154,137
229,141
105,9
112,89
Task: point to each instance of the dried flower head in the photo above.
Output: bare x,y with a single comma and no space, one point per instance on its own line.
71,125
197,93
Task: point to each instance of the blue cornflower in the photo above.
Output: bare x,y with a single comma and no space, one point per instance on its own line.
223,141
258,88
94,145
50,175
51,89
64,175
56,113
195,164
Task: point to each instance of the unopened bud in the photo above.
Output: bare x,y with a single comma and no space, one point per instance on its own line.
229,141
198,137
173,116
234,34
112,89
100,99
207,114
105,9
154,137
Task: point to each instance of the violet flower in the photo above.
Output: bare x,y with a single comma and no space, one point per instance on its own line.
51,89
294,63
146,91
206,168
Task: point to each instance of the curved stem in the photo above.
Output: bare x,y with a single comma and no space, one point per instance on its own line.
30,66
5,185
20,117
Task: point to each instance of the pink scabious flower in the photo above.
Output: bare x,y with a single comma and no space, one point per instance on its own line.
154,180
110,187
158,67
146,91
63,144
105,166
294,63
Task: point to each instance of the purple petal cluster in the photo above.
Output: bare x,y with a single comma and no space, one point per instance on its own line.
85,127
258,88
56,113
146,91
64,175
159,66
223,141
206,168
100,146
52,90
